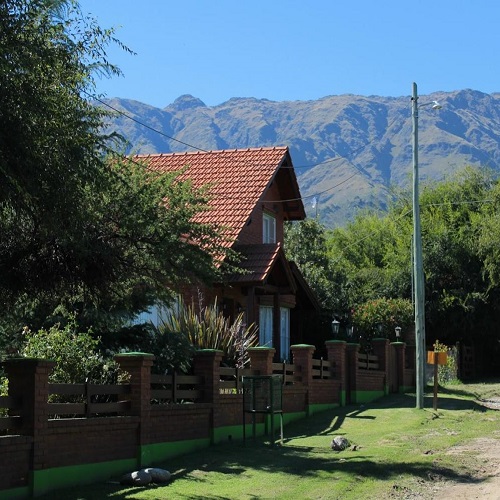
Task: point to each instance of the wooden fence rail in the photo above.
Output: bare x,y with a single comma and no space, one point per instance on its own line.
9,409
87,399
322,369
290,373
231,379
176,388
368,362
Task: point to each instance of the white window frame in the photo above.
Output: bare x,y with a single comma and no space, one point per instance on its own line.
285,333
268,228
265,326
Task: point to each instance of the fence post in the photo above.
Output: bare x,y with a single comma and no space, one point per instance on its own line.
261,359
399,365
29,381
206,364
302,355
352,372
381,350
138,365
336,350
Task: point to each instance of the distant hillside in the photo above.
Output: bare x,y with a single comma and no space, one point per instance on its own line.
347,149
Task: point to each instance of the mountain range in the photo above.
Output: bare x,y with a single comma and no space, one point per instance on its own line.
349,151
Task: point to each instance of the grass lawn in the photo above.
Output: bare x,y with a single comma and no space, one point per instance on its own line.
398,452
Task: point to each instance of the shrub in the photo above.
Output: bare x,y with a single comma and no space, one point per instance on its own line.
172,350
447,373
76,354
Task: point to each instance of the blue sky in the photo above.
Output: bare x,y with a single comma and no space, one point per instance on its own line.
299,50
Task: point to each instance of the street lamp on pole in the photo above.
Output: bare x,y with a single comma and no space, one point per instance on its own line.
418,267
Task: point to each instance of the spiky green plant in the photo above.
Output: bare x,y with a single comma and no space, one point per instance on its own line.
209,329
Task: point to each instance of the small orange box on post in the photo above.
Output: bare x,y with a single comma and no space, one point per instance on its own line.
436,359
439,358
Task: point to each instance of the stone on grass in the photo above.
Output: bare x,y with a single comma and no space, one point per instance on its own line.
158,475
136,478
339,443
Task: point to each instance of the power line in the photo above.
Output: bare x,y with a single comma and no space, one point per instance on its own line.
126,115
329,160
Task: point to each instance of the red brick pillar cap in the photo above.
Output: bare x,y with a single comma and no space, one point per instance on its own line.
397,343
335,342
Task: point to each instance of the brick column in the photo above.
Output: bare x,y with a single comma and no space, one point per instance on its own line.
206,364
29,381
381,350
399,365
138,365
352,351
302,358
261,359
336,352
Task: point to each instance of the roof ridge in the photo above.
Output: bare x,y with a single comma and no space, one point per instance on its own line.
212,151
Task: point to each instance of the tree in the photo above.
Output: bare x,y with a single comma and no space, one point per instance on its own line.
459,218
374,253
81,230
305,244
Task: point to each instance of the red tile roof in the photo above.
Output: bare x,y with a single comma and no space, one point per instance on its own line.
238,179
257,261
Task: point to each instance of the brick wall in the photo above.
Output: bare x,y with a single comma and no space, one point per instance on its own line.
83,441
180,422
45,444
15,454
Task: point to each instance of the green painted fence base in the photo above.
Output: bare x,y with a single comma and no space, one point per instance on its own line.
292,417
234,432
343,398
44,481
160,452
367,396
406,388
15,493
318,408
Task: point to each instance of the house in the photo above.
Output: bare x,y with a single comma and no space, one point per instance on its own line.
253,191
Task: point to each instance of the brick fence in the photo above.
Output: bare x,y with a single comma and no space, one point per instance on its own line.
39,453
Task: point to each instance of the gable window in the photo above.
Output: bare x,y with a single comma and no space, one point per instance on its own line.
268,228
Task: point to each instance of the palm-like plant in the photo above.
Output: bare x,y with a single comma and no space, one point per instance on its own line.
209,329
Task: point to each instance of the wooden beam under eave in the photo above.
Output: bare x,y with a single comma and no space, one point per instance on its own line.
251,305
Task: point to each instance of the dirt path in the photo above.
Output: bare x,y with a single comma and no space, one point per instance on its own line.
479,457
485,478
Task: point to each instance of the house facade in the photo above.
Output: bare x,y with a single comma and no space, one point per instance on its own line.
253,192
